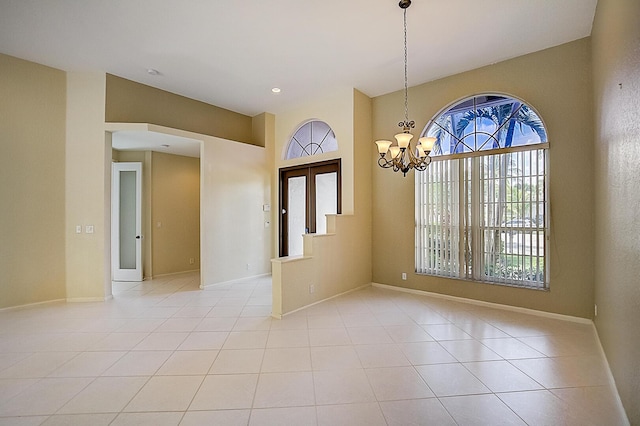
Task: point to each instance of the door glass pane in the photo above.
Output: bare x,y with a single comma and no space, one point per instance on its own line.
296,214
326,199
127,220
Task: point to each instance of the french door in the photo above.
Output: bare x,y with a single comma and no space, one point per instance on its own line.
307,193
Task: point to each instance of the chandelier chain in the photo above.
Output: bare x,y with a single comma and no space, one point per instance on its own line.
406,97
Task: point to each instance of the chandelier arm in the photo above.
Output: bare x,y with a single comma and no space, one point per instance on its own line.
398,162
412,156
424,164
415,159
384,163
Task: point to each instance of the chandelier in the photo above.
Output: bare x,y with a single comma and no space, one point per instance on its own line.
401,157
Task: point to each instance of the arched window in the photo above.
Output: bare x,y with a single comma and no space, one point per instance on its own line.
482,204
483,123
313,137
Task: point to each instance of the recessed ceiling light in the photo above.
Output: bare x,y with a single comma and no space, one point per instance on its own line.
152,71
276,90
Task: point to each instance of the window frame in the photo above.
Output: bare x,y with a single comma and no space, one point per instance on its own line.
471,229
455,107
314,147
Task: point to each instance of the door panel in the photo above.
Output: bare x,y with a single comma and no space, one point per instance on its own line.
326,199
127,216
297,213
126,222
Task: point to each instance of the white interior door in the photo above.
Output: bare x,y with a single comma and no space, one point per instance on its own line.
126,222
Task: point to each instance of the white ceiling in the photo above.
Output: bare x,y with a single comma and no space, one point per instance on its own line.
131,140
231,53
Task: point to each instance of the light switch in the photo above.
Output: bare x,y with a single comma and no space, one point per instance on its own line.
266,207
78,229
88,229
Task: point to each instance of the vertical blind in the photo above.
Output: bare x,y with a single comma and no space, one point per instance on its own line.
484,218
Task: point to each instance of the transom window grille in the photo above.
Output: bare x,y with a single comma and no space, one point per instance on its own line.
313,137
484,123
483,216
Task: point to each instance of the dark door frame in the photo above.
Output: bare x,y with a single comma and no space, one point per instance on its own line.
310,171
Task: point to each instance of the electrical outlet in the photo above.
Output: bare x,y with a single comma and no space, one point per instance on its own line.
595,310
191,261
404,276
312,288
248,266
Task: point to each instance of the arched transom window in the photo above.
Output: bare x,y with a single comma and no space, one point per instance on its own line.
482,204
312,138
484,123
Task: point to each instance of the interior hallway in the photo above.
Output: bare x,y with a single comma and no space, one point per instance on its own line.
164,352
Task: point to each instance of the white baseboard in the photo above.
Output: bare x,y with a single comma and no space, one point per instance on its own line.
30,305
87,299
153,277
611,379
487,304
320,301
237,280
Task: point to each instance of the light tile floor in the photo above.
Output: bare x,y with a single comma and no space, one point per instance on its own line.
164,352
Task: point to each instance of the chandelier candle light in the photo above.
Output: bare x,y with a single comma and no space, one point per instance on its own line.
401,157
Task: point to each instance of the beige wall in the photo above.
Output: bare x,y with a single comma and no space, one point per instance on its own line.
175,213
363,168
557,83
32,167
616,65
87,189
340,260
333,263
264,132
235,185
131,102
